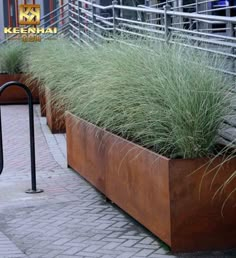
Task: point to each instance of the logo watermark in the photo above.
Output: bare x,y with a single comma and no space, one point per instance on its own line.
29,14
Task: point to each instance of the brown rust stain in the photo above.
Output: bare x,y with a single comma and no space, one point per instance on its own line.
197,223
42,101
55,116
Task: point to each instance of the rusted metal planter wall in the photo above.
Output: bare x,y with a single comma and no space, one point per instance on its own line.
15,95
42,101
55,116
158,192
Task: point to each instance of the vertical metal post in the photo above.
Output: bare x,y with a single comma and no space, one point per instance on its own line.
231,33
93,18
79,18
121,11
197,11
180,9
167,22
69,18
114,13
32,143
147,16
229,25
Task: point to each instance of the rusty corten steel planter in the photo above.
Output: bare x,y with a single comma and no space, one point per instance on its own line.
15,95
55,116
160,193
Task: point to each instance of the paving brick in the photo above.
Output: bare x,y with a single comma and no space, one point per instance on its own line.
111,246
126,255
8,249
73,250
70,219
129,243
144,253
92,248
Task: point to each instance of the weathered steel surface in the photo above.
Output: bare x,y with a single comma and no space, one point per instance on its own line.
85,153
42,101
54,114
196,219
158,192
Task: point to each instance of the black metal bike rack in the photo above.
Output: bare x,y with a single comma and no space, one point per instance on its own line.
32,137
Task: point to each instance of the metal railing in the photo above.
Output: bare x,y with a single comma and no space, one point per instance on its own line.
91,23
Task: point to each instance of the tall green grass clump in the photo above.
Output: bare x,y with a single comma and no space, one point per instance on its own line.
162,97
165,98
12,57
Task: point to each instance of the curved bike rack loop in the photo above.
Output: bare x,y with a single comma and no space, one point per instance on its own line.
32,137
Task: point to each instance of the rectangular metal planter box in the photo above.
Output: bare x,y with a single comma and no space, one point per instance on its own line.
160,193
55,116
15,95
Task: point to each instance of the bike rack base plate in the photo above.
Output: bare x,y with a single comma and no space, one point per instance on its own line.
30,191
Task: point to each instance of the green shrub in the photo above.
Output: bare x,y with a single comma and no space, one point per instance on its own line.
164,97
11,58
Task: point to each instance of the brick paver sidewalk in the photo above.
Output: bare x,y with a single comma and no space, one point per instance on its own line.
70,219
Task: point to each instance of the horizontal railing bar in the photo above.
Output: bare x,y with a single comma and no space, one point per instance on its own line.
208,41
73,26
168,1
86,35
96,5
85,42
57,9
73,5
216,29
99,36
58,21
141,23
155,19
60,31
73,19
72,32
194,4
86,19
210,67
75,41
202,49
140,35
203,34
142,28
107,22
86,27
174,13
103,7
218,9
52,18
103,18
180,23
76,14
89,13
102,28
